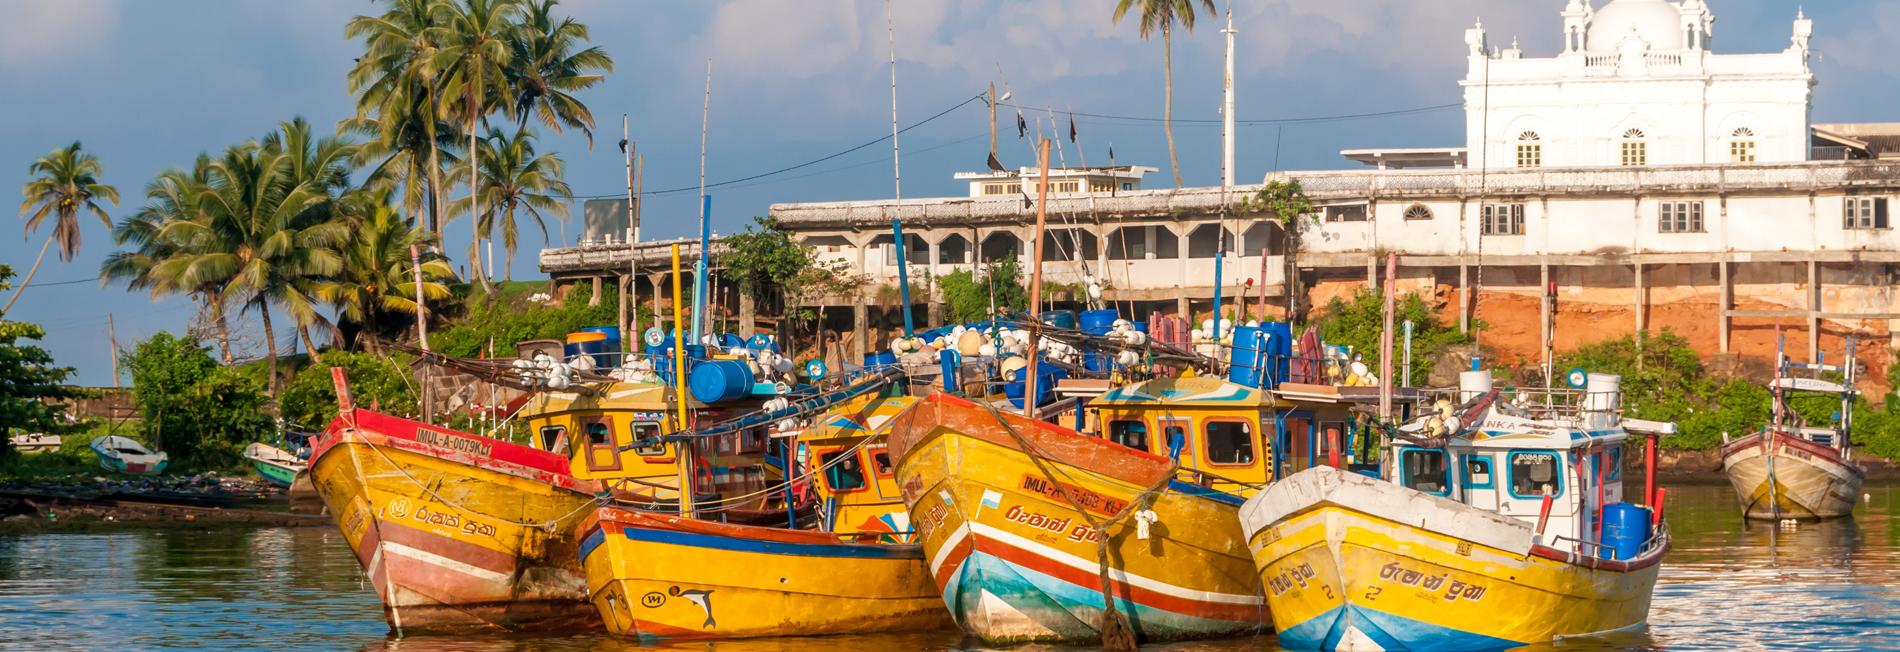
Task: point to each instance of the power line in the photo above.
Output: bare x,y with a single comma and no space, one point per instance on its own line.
790,168
71,282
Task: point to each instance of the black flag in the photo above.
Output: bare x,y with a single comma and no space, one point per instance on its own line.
1022,126
1026,202
995,164
1071,127
1111,152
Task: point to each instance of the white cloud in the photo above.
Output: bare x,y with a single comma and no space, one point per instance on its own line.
35,31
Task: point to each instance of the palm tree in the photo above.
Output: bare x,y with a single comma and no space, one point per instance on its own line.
399,155
174,196
376,279
547,70
395,86
68,183
473,62
1161,15
516,178
323,165
258,239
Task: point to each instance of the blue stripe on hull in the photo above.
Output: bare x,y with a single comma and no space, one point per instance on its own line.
1069,610
854,550
1325,632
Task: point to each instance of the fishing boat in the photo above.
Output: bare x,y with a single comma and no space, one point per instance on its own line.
34,442
124,455
1496,525
848,568
1793,470
1028,524
276,465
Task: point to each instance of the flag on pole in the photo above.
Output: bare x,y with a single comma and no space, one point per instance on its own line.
995,164
1022,126
1071,127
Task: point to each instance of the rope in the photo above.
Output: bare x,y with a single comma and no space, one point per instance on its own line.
547,526
1115,630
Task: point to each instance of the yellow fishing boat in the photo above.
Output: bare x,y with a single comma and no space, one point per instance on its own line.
662,576
1508,531
1792,470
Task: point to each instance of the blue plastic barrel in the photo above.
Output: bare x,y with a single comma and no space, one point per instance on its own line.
1279,352
712,381
761,342
1046,377
730,341
1141,326
1094,360
952,367
1245,362
695,352
880,359
1625,529
1097,322
1060,318
612,332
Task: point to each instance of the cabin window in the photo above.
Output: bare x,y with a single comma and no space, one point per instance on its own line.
598,434
1176,435
647,431
1478,472
843,471
1534,475
1613,459
1229,442
1424,470
881,462
553,436
1133,434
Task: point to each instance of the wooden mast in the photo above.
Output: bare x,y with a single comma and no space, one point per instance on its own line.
1035,279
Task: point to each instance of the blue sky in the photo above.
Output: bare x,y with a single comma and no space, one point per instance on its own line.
148,84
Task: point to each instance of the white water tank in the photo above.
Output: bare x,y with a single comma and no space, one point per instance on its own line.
1472,384
1603,393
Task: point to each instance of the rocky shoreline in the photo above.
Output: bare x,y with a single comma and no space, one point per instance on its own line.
78,505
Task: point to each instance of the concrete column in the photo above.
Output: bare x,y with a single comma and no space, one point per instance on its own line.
747,314
627,336
595,299
933,313
861,330
1727,301
659,301
1814,310
1182,307
1372,272
1464,298
1544,308
1642,305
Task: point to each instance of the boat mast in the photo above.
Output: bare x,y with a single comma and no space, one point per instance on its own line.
684,448
1035,280
705,218
1226,177
897,181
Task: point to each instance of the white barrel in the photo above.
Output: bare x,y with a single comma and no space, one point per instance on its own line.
1472,384
1603,392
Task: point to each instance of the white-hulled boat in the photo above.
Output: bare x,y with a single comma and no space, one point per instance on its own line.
37,442
1791,469
1494,526
125,455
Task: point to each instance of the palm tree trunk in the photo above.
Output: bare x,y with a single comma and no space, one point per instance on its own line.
435,175
224,327
29,276
1167,98
310,345
474,199
270,349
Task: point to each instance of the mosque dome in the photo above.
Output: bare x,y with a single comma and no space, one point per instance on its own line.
1655,21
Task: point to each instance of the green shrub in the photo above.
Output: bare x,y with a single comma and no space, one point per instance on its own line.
382,382
199,413
504,323
1357,322
968,296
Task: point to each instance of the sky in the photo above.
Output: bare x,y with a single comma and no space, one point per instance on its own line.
148,84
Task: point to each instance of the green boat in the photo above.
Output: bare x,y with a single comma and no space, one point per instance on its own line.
276,465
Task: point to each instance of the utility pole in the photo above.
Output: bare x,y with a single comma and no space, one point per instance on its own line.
112,339
629,317
1227,110
992,97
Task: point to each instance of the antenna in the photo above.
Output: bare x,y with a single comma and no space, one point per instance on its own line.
897,176
705,218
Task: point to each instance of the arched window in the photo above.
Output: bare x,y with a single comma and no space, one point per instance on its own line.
1741,146
1635,148
1418,212
1530,150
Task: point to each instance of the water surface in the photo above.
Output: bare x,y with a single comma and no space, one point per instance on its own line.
1724,586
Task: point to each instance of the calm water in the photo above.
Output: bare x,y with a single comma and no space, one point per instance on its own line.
1827,586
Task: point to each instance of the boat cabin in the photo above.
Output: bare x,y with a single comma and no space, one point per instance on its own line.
1239,437
849,472
595,429
1566,446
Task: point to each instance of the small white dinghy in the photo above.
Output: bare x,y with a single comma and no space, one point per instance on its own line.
124,455
37,442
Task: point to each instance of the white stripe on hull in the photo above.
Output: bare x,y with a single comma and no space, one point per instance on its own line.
1819,488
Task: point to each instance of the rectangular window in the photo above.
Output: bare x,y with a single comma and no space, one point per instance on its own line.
1229,442
843,471
880,461
1478,472
1865,213
1741,151
1346,213
1530,155
599,446
1133,434
1002,188
648,432
598,433
1423,470
1635,153
1680,217
553,438
1503,219
1534,475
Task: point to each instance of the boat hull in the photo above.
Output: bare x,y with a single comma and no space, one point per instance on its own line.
1016,563
1344,572
1808,482
276,474
456,532
656,576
